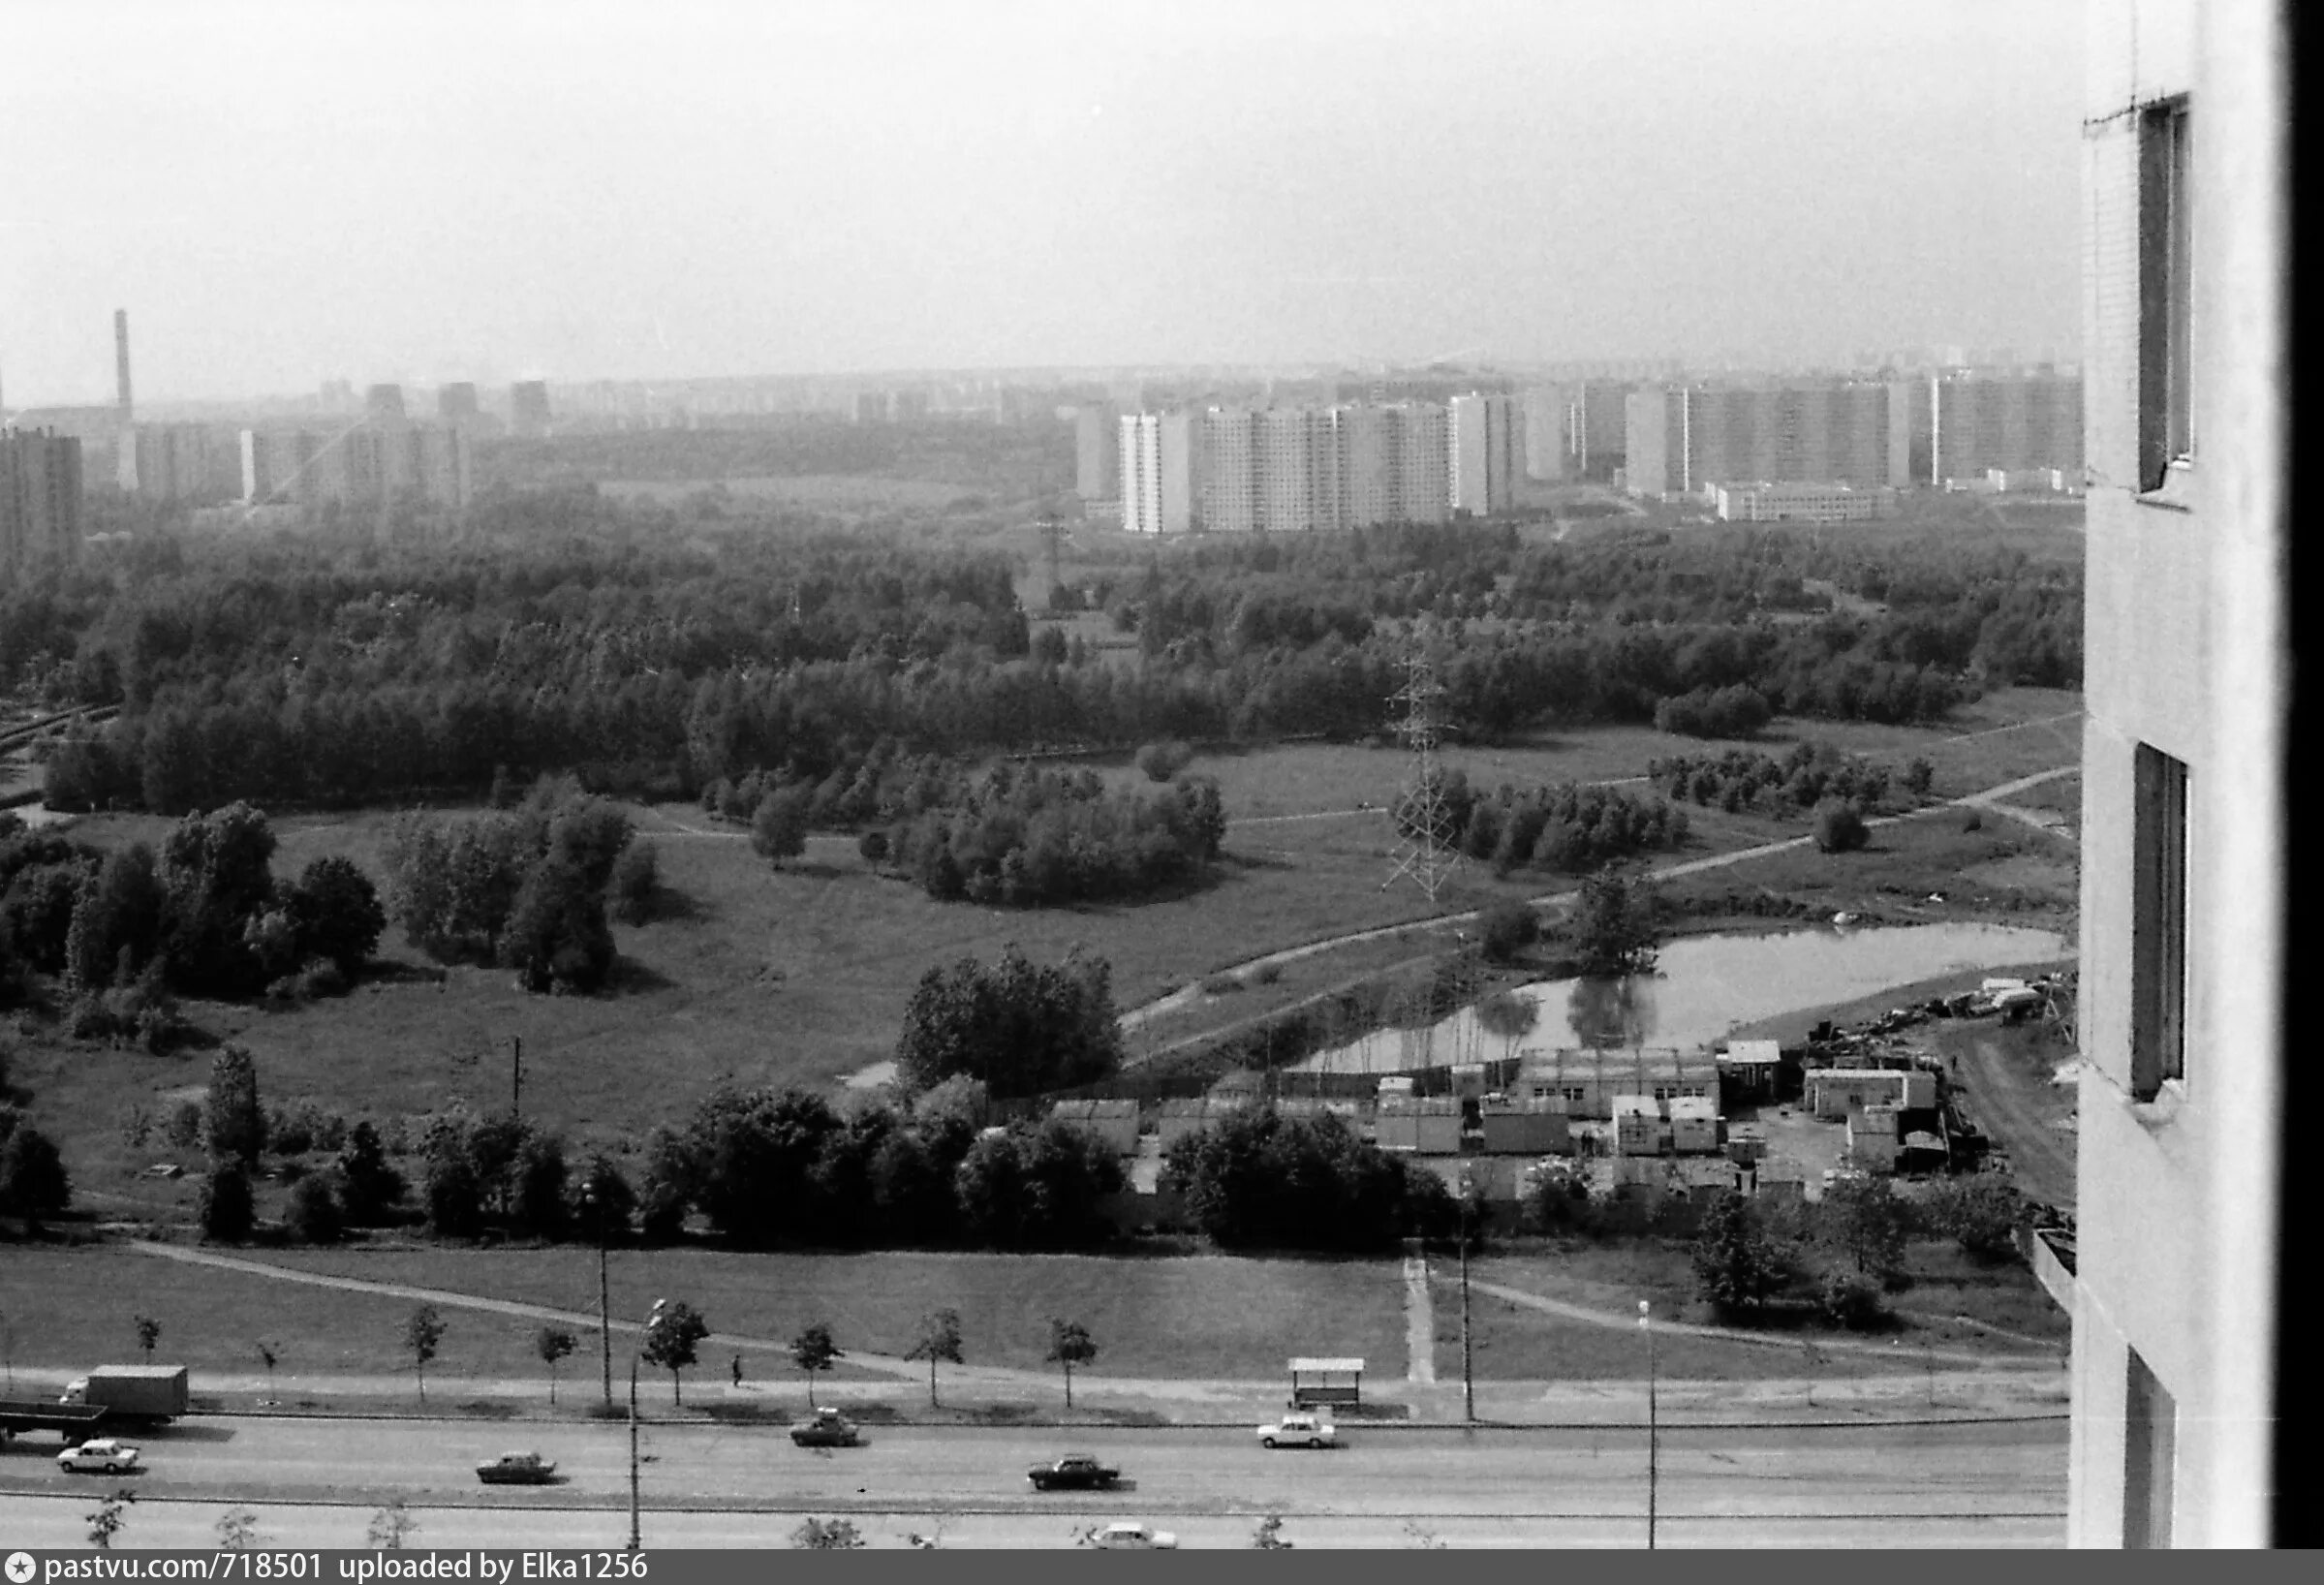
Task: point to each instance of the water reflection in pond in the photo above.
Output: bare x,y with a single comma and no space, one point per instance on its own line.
1706,986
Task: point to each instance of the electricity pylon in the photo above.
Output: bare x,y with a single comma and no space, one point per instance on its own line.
1427,848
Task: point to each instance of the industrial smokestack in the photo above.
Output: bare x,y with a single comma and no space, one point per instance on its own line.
121,359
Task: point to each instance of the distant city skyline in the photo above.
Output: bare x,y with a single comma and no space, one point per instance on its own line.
424,194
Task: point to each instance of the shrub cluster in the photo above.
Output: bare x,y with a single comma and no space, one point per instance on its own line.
1018,1028
1566,828
1741,780
1026,836
1736,710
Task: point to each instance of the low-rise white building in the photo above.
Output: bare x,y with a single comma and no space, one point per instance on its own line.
1803,503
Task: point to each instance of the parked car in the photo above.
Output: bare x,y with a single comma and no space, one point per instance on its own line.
100,1455
1131,1536
1075,1471
829,1428
517,1469
1299,1431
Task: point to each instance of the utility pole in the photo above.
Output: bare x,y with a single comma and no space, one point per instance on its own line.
516,1075
1653,1437
634,1543
604,1306
1467,1380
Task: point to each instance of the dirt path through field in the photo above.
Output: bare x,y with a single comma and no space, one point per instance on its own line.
2003,1100
1419,1319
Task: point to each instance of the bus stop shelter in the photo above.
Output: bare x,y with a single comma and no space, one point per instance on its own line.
1326,1382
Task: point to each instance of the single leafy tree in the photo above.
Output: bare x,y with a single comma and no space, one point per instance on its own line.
940,1339
779,825
1613,927
237,1124
421,1334
1864,1217
1736,1267
552,1344
238,1530
1840,826
671,1338
33,1182
150,1332
228,1210
111,1514
813,1352
391,1527
827,1535
315,1212
1070,1345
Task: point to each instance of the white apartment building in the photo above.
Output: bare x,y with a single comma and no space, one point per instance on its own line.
1158,471
1484,445
2181,1337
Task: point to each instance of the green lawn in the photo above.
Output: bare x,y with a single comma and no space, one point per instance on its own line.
1511,1342
1193,1317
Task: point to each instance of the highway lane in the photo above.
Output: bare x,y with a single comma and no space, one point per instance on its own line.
61,1524
2003,1481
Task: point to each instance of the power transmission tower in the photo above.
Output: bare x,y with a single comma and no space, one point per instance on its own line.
1426,850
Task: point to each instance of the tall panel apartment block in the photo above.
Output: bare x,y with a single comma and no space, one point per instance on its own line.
1097,451
1158,471
1552,443
1483,447
39,499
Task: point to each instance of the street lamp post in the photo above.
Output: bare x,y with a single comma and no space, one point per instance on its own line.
1653,1435
604,1308
653,1316
1467,1382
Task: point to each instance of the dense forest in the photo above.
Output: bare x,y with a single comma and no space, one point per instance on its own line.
562,638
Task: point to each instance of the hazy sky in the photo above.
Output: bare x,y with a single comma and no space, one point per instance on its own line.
285,194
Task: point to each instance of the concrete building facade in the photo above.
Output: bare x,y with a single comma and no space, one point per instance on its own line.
528,408
1098,452
1485,452
39,499
1159,475
1802,503
2180,1358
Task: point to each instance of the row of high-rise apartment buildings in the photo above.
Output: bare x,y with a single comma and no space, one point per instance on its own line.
367,465
1238,470
39,499
1942,430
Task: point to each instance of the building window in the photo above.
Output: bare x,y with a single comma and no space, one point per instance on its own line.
2166,413
2159,924
2149,1454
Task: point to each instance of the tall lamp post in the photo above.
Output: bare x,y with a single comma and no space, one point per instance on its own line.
1467,1382
652,1318
1646,1324
604,1308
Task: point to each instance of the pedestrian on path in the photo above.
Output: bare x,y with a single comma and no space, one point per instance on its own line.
738,1370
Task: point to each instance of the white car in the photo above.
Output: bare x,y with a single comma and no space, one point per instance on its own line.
101,1456
1299,1431
1134,1538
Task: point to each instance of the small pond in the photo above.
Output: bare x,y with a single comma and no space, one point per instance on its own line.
1706,986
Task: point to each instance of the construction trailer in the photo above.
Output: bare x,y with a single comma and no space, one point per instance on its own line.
1638,1127
1872,1138
1426,1125
1694,1125
1516,1128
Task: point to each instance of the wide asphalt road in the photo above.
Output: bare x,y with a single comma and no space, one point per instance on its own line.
316,1481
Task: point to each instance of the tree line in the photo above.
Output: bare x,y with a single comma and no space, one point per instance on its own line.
332,676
